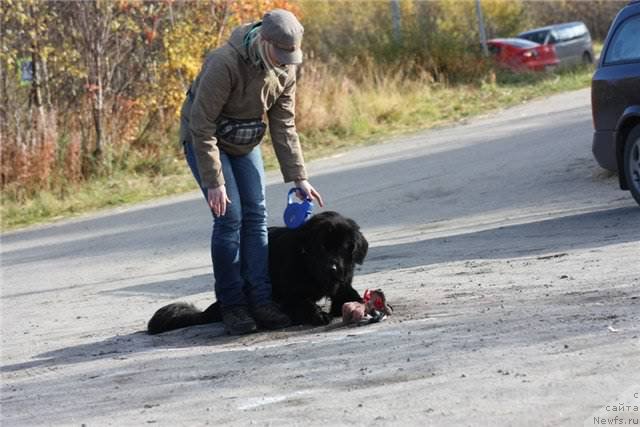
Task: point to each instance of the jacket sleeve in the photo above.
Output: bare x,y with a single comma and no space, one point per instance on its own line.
284,136
211,94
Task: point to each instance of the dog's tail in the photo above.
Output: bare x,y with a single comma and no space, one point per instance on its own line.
180,314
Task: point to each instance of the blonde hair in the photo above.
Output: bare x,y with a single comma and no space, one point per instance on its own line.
258,52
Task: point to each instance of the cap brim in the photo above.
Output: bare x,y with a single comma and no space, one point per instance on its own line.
287,57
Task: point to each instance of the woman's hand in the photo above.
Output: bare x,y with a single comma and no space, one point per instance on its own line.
309,190
217,198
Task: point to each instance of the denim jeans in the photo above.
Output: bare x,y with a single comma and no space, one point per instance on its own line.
239,250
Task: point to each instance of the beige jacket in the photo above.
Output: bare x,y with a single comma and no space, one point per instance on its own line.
231,86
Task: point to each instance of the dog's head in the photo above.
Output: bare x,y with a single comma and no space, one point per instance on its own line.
333,245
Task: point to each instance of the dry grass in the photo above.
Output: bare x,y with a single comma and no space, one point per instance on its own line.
335,111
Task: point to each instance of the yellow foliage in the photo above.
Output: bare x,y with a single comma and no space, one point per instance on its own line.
187,41
502,18
251,10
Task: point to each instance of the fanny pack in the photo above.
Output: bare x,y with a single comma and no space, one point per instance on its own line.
237,131
241,131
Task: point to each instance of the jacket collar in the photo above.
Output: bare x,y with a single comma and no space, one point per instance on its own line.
236,41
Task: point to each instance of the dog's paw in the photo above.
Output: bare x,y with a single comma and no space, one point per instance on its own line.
321,318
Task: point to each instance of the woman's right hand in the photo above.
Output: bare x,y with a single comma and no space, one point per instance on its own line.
309,191
217,198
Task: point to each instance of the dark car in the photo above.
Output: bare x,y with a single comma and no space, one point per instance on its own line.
520,54
572,41
615,100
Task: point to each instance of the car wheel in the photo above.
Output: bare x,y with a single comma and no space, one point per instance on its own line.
586,58
632,162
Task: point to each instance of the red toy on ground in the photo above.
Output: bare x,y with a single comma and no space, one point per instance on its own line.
373,309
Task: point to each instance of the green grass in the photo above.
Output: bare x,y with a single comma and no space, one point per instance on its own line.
366,114
121,189
410,106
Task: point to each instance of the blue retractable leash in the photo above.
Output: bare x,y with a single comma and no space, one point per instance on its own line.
295,214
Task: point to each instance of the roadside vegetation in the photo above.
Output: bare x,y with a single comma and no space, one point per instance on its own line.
97,126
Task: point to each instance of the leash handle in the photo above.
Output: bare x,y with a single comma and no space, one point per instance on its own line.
293,191
296,214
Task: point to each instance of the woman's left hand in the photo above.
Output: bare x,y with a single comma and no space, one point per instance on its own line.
305,186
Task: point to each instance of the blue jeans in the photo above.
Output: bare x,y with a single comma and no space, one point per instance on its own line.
239,250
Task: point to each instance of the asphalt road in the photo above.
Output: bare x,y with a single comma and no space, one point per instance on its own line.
512,261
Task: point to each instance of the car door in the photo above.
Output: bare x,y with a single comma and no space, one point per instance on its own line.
617,79
561,38
575,43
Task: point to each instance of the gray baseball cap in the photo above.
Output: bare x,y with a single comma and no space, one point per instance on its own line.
282,29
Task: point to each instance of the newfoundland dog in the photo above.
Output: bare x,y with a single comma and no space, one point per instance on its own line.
306,264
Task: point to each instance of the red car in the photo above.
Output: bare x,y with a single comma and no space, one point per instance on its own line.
520,54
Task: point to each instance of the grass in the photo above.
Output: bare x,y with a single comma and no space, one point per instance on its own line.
333,115
120,189
397,107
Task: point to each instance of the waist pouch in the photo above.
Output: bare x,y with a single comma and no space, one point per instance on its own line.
241,132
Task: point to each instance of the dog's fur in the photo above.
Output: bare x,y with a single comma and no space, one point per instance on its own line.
306,264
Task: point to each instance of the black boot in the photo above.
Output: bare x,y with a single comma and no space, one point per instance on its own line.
269,316
237,320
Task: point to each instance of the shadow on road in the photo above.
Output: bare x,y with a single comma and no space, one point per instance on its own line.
120,346
591,230
408,182
176,287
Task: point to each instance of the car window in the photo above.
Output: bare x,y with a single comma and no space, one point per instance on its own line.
624,46
562,34
537,37
582,30
571,32
525,44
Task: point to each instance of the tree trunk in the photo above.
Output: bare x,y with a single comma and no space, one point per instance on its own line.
36,92
98,101
45,81
4,93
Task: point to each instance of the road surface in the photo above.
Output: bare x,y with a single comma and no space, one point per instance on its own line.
512,261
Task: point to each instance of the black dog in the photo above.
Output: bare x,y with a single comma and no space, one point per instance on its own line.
306,264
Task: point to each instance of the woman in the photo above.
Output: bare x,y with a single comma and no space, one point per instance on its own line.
221,128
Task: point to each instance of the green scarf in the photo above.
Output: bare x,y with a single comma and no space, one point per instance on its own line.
252,48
